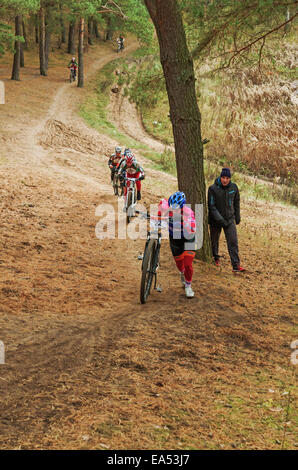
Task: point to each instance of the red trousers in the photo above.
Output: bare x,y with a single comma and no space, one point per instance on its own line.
138,183
184,264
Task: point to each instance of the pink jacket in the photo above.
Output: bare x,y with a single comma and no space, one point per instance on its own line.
187,224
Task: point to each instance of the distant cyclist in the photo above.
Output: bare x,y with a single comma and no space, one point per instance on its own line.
73,64
182,230
115,160
132,169
125,153
120,42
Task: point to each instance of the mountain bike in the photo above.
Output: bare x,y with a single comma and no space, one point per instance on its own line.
131,199
150,263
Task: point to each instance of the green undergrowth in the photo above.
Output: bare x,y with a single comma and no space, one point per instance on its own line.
94,111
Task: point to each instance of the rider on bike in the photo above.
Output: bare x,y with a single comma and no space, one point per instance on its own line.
123,158
132,169
182,230
120,42
73,64
114,161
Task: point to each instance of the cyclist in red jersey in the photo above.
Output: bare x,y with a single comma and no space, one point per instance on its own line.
133,170
114,161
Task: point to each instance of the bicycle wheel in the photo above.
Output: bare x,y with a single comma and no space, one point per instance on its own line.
121,190
115,185
147,270
128,208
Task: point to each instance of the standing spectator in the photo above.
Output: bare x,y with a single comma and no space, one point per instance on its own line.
224,212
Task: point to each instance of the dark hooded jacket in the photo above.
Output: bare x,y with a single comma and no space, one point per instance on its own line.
223,204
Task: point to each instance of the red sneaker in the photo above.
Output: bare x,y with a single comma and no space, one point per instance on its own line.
238,269
217,262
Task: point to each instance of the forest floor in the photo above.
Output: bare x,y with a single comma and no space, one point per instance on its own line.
86,365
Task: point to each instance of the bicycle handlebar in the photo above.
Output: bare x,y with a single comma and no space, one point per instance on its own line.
146,215
131,179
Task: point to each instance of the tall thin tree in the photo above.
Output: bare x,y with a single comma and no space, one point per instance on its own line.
81,53
17,55
42,40
184,112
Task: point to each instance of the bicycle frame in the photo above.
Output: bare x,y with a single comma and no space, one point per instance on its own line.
154,234
131,189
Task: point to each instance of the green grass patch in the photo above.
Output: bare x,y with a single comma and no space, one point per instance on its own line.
156,122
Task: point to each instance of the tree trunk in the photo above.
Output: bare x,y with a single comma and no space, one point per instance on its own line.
71,38
47,47
36,29
42,40
95,26
109,31
25,35
81,54
23,44
17,55
184,112
22,59
90,31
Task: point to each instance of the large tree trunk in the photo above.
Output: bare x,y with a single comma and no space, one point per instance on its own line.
47,47
184,112
42,40
17,55
71,38
81,54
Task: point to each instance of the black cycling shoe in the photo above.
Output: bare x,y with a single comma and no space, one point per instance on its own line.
139,195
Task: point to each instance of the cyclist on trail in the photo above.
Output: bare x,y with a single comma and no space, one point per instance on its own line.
125,153
182,231
115,160
120,42
73,64
132,169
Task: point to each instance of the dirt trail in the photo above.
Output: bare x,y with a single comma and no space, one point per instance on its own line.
86,365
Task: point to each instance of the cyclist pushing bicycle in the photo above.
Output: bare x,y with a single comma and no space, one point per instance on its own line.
182,231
